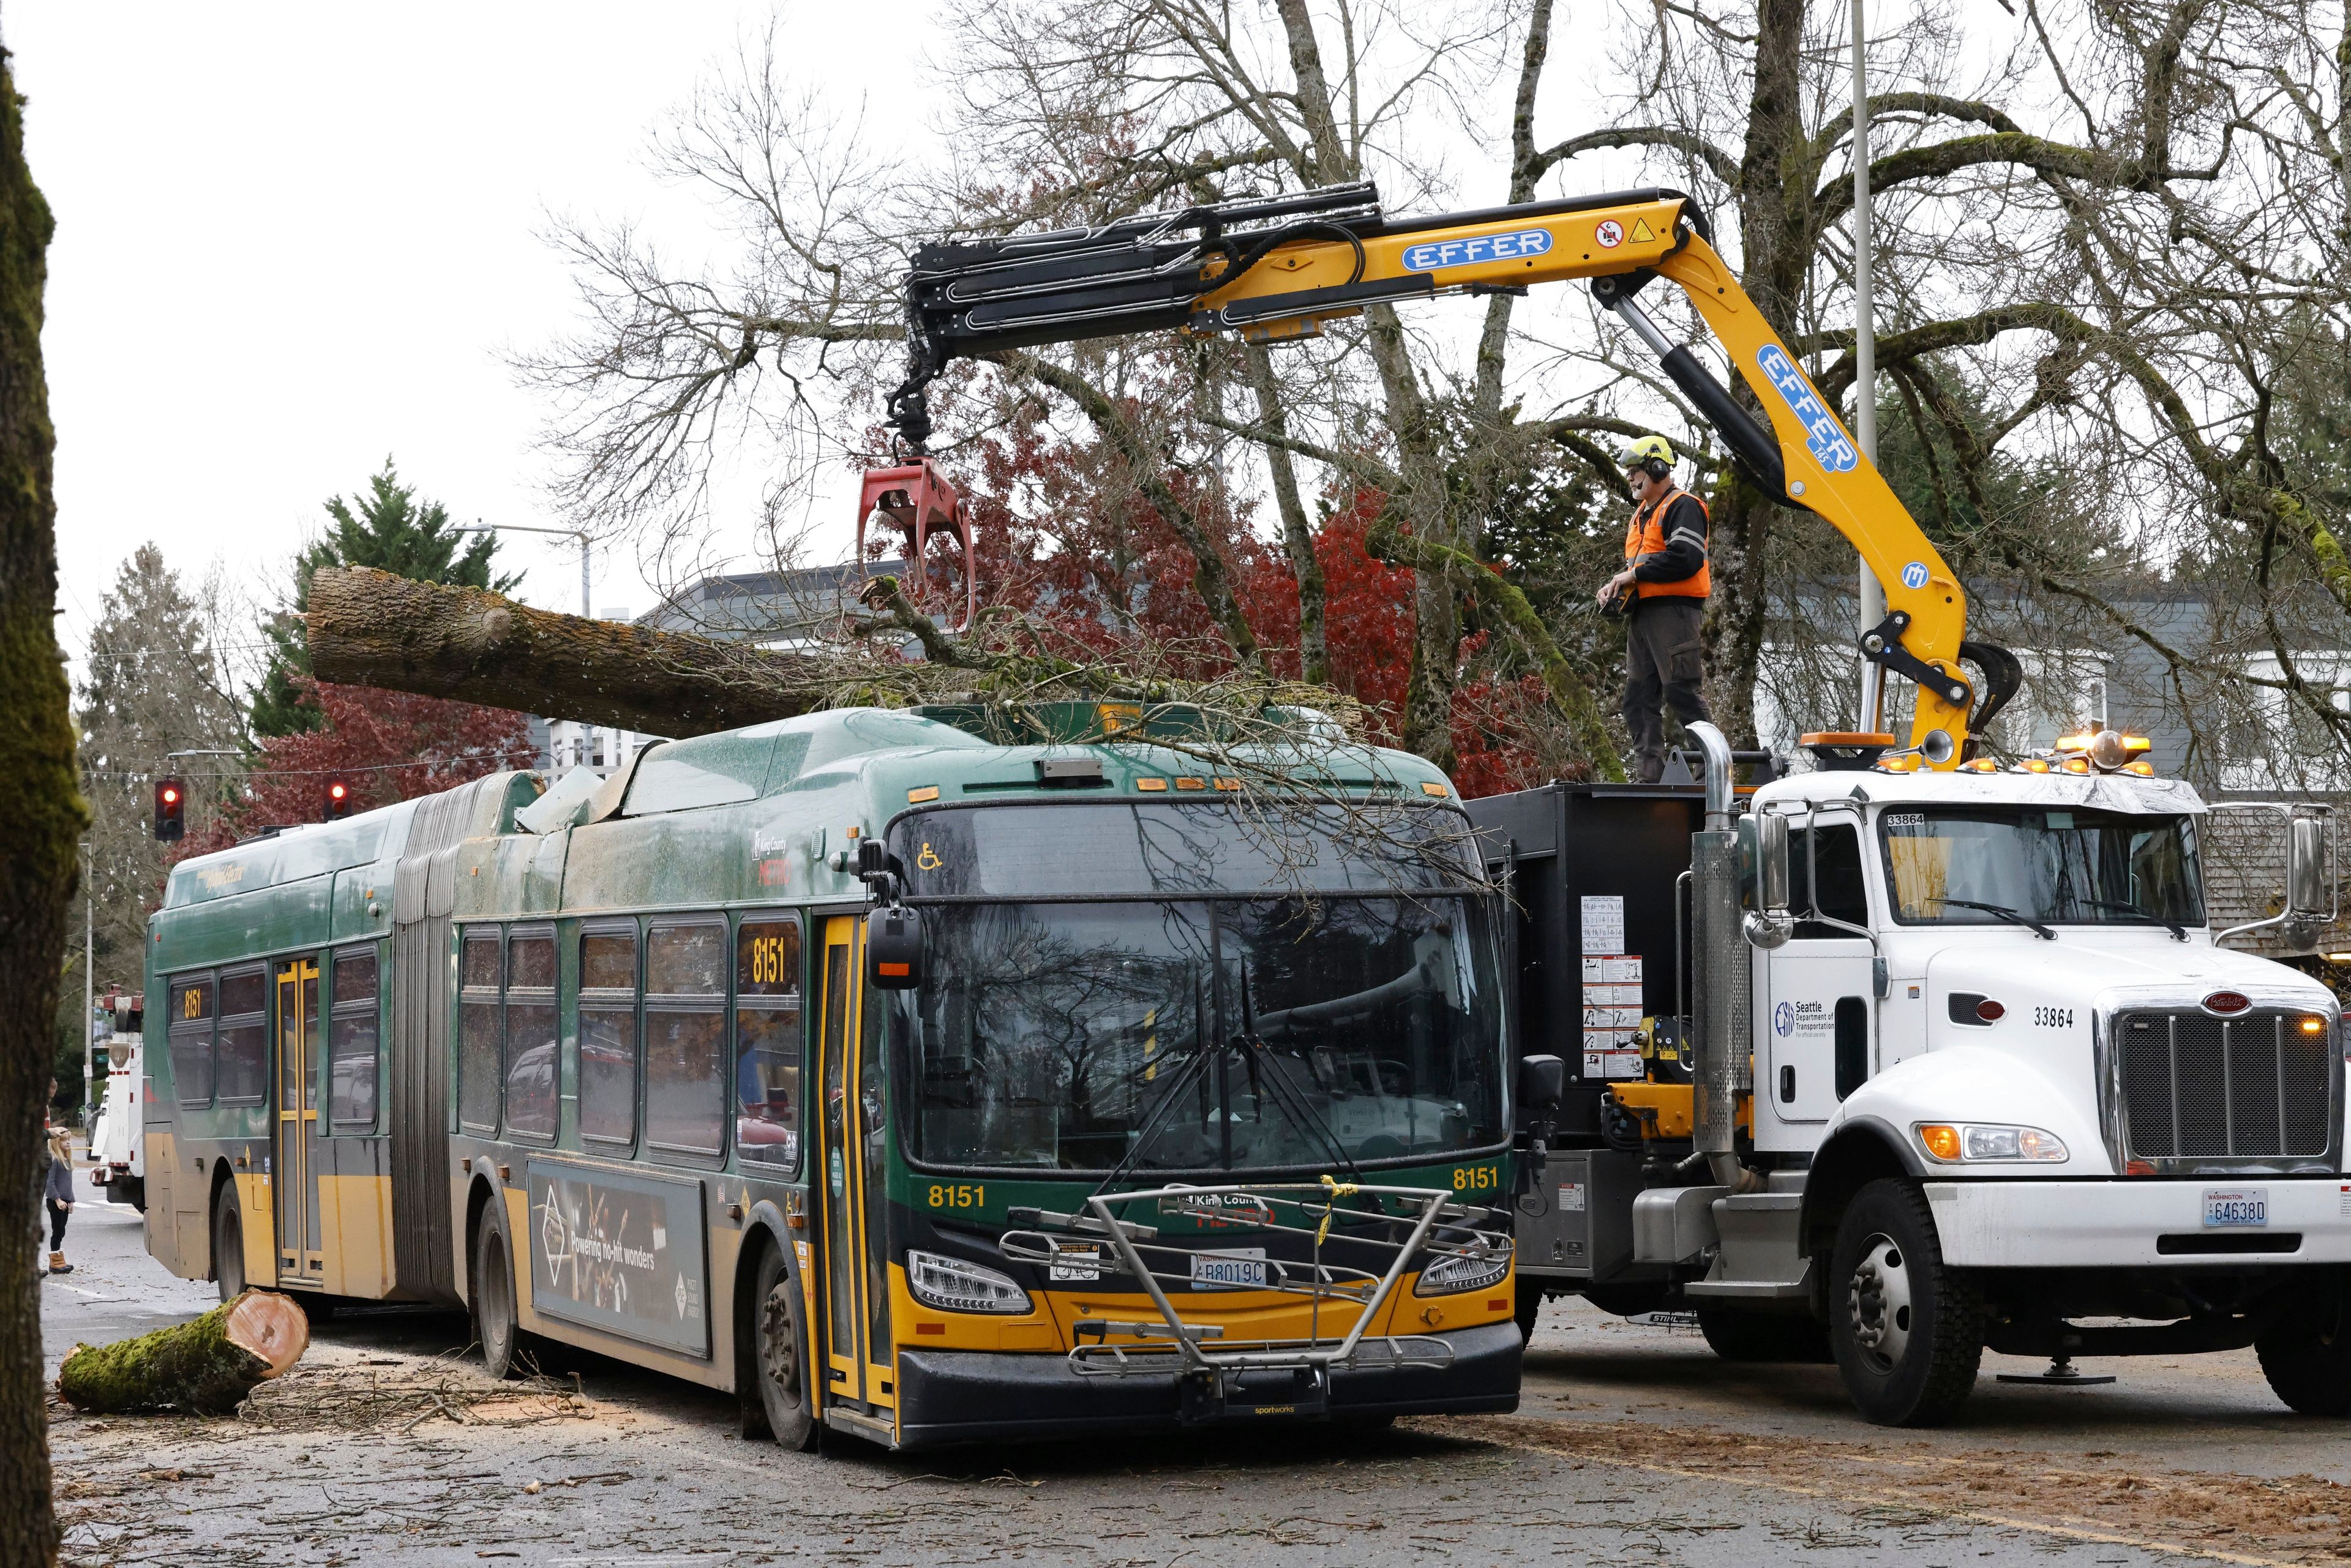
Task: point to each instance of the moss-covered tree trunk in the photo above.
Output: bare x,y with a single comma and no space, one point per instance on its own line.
39,833
206,1367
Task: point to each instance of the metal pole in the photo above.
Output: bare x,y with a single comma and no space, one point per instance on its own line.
587,611
88,997
1864,361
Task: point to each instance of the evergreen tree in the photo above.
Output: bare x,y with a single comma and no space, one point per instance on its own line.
153,685
388,529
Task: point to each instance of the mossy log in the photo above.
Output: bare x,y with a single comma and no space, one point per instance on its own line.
369,628
206,1367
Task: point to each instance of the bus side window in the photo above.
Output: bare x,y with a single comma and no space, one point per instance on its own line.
608,1036
686,1037
192,1041
530,1034
242,1077
351,1044
767,1043
478,1032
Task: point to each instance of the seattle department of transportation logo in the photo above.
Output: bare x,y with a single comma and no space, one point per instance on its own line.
1823,433
1914,575
1439,254
1783,1019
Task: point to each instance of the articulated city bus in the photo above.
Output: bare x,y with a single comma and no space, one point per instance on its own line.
1158,1101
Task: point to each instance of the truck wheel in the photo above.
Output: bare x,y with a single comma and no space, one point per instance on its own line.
494,1295
2306,1355
228,1243
1742,1333
1906,1328
780,1354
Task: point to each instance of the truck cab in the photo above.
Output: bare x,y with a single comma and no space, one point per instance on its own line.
1977,1071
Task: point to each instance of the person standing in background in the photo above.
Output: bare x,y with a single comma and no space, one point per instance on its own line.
59,1192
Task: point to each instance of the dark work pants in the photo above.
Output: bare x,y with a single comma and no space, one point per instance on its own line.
59,1215
1661,661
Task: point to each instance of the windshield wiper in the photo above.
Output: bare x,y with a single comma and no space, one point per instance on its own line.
2178,932
2004,912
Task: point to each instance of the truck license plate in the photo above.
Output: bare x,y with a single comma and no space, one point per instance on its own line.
2236,1205
1234,1268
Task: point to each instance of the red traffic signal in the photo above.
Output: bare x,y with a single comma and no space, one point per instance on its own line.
336,802
171,808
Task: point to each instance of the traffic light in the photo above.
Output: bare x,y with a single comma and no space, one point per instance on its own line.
171,808
336,803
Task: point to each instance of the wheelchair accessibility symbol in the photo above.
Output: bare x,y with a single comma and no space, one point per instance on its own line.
1913,576
928,860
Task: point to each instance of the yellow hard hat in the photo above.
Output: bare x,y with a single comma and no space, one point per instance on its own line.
1649,446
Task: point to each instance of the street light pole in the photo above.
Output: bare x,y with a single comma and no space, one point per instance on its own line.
586,588
1864,361
88,987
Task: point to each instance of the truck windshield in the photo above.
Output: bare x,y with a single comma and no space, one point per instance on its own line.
1976,866
1198,1033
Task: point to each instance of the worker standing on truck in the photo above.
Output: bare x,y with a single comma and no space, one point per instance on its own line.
1662,594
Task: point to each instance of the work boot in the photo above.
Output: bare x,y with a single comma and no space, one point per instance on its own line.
58,1264
1651,770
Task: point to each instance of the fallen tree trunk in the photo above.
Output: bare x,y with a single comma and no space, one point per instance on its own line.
206,1367
369,628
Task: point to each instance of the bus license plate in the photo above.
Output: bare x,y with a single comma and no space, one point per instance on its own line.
1234,1268
2236,1205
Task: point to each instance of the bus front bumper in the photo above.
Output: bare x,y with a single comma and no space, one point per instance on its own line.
964,1396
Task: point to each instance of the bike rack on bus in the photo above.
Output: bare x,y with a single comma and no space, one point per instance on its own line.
1194,1351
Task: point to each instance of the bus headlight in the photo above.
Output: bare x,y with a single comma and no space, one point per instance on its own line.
1949,1143
960,1287
1452,1273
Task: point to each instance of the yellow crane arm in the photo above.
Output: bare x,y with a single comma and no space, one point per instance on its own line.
1279,270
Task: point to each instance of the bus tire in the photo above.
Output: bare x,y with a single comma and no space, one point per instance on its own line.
228,1242
1531,1297
1907,1328
496,1328
1742,1333
779,1355
2306,1353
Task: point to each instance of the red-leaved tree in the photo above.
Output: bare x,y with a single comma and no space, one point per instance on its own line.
387,745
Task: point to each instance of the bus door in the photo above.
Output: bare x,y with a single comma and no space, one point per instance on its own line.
852,1131
301,1260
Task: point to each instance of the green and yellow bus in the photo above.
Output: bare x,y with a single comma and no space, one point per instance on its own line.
1158,1101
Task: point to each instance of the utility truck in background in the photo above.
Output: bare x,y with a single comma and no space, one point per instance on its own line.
1894,1059
117,1151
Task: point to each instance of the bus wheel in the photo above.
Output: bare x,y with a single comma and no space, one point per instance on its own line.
228,1243
494,1296
1908,1328
1530,1304
781,1348
2306,1353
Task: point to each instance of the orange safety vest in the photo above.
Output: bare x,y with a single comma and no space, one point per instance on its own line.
1646,536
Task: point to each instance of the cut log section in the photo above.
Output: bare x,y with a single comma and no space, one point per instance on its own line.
206,1367
369,628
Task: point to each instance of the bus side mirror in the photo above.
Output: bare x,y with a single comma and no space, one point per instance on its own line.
894,949
2306,867
1542,1082
1771,872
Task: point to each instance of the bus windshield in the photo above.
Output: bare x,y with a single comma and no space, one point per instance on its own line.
1975,866
1197,1034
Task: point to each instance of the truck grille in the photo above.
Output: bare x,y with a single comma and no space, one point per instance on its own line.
2254,1087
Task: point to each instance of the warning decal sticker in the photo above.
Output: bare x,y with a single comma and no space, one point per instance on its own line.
1610,233
1642,233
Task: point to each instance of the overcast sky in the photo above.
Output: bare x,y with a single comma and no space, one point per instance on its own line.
295,239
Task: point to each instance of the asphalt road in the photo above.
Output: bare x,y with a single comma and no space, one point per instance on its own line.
1634,1445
